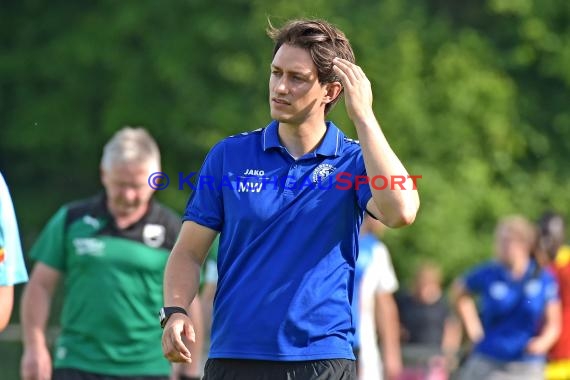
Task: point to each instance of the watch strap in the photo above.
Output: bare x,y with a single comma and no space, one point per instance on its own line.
165,313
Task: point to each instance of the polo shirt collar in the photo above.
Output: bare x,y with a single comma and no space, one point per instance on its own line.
331,145
270,136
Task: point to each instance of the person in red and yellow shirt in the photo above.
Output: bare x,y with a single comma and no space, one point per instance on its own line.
552,239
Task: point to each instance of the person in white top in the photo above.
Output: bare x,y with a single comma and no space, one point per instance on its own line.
374,309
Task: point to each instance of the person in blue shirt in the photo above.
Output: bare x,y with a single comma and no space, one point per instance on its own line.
12,266
520,309
374,308
288,225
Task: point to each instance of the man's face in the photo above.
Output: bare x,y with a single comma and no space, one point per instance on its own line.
428,285
127,188
509,247
295,93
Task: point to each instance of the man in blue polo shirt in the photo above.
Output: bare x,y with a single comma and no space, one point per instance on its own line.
288,249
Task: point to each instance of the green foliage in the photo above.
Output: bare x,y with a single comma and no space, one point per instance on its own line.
472,95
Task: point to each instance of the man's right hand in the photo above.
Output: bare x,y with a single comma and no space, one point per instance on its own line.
36,364
173,347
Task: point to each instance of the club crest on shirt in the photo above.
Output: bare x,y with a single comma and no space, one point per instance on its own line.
498,290
154,235
321,172
532,288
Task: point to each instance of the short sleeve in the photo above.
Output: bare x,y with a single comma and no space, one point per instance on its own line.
50,248
477,279
205,205
551,290
386,276
363,193
12,265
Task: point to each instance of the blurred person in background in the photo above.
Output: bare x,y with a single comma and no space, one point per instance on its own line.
12,266
520,308
374,309
110,250
557,254
209,285
428,325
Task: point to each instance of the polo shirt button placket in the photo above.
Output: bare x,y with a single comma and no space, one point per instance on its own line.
294,173
291,183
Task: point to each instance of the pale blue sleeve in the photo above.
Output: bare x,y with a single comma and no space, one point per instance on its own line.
12,266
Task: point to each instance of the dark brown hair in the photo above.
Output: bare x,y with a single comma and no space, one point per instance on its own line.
551,227
321,39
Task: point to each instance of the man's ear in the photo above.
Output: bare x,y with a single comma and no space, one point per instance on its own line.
102,174
331,91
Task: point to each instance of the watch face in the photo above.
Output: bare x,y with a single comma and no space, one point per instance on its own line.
161,315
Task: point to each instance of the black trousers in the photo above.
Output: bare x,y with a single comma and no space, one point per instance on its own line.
76,374
236,369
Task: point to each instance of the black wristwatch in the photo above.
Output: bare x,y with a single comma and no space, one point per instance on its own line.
165,313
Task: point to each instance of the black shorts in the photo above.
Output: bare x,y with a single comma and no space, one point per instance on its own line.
77,374
356,352
238,369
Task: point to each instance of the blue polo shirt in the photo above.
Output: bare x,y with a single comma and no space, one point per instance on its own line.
287,250
365,252
512,310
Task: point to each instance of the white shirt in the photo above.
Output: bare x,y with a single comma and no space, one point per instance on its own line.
379,277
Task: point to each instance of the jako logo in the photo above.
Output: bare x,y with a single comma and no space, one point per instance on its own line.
254,172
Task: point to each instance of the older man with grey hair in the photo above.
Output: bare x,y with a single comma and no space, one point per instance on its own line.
112,249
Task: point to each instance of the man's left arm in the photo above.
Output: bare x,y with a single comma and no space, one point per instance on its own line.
397,204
